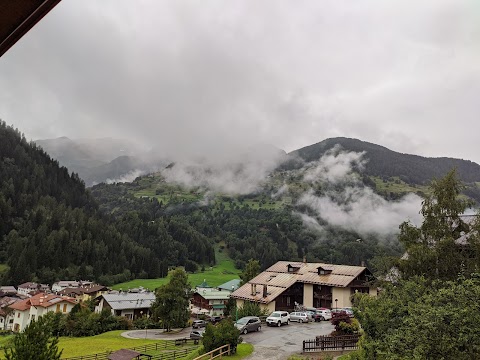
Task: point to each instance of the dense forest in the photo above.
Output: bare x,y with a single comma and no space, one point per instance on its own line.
51,227
245,231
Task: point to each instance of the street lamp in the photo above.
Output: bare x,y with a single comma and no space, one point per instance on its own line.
336,302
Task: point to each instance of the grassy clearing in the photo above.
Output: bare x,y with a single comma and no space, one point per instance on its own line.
222,272
395,185
109,341
3,268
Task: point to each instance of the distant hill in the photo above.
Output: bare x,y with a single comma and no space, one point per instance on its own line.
385,163
96,160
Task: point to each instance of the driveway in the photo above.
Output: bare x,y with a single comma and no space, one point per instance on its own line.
158,334
279,343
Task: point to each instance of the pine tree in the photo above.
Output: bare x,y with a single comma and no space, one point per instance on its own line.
36,342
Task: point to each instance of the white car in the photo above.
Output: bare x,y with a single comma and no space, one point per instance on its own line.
278,318
326,314
300,316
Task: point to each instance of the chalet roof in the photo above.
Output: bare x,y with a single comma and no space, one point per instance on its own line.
214,294
124,354
123,301
41,300
277,279
28,285
8,289
228,285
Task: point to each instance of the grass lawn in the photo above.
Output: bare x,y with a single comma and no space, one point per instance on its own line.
222,272
243,350
4,340
112,340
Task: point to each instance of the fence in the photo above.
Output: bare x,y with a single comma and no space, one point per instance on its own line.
171,352
218,352
331,343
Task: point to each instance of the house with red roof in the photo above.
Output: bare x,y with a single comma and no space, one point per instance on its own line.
37,306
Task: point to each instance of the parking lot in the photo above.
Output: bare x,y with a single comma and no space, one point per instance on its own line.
269,343
280,342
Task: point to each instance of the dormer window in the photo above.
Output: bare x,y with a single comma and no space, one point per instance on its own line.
292,269
323,271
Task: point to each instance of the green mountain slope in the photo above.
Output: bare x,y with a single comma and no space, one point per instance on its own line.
51,228
385,163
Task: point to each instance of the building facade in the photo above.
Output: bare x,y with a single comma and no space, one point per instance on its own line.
287,284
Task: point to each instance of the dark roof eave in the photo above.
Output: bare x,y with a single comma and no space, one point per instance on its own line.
26,24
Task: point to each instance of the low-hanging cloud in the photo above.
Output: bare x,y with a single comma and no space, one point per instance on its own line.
363,211
241,175
128,177
335,166
355,207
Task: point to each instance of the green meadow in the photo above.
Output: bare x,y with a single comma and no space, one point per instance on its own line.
216,275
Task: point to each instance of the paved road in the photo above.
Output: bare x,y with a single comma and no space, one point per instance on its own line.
156,334
281,342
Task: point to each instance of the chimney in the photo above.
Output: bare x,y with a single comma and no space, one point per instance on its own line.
363,263
253,291
265,293
304,259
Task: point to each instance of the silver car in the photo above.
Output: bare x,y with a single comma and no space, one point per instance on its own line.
300,316
248,324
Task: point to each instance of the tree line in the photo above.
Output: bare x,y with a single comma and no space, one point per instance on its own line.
51,226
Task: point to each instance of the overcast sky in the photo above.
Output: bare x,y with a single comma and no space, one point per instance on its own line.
207,76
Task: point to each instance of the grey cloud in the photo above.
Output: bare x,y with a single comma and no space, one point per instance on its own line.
210,77
353,206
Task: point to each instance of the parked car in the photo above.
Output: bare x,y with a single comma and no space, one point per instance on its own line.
339,311
325,314
348,310
314,314
300,316
197,324
248,324
278,318
215,319
196,334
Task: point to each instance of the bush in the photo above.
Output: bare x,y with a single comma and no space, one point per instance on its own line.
223,333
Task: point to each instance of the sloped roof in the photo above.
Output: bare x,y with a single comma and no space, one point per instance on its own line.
228,285
124,354
125,301
277,278
41,300
214,294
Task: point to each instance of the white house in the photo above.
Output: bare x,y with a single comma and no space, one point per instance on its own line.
129,305
38,305
26,288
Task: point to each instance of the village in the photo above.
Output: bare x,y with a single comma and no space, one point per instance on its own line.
279,288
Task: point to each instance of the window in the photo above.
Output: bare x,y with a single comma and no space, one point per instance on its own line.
64,307
288,300
58,308
18,314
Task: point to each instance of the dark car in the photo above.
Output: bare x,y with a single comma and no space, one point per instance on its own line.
248,324
197,324
215,319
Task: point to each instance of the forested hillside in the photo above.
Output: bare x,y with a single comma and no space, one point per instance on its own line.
51,228
249,226
385,163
